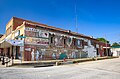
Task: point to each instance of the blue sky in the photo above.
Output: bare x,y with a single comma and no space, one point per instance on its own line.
96,18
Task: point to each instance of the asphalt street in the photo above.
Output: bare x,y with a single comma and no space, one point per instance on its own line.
102,69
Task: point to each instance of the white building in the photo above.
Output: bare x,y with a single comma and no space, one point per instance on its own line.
115,50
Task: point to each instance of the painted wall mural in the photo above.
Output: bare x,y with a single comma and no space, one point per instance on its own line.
69,41
32,55
37,55
85,47
79,43
58,41
91,50
36,41
33,32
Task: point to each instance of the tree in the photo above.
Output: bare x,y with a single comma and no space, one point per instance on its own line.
115,44
103,40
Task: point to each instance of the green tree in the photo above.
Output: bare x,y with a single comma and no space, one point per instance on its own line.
115,44
103,40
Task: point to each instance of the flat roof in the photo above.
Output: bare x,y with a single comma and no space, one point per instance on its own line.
115,46
54,28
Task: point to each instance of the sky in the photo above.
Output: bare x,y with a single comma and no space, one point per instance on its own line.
97,18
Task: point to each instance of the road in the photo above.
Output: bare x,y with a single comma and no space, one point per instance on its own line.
102,69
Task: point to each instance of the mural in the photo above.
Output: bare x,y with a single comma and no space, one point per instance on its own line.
54,56
63,56
79,43
37,55
32,55
36,41
69,41
42,38
73,54
58,41
33,32
43,34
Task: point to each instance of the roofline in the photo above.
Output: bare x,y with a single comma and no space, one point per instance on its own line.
38,23
62,30
9,20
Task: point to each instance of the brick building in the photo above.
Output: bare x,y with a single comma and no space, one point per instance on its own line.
43,42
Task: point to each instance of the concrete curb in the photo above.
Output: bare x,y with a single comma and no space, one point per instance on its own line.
59,62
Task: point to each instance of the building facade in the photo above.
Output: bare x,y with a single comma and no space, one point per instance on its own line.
32,41
115,50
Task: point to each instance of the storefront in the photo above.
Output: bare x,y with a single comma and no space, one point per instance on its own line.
43,42
11,48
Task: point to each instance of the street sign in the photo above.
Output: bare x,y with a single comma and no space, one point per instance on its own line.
21,36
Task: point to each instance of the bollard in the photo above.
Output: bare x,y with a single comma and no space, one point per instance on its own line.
56,63
0,58
3,60
6,62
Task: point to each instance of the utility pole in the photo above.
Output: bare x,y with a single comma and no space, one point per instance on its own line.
76,16
106,45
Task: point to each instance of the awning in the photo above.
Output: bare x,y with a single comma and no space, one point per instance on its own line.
4,44
8,43
106,47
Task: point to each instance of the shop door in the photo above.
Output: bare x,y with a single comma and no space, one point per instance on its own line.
16,52
8,52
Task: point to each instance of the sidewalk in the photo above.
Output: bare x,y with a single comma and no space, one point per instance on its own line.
2,66
19,62
42,63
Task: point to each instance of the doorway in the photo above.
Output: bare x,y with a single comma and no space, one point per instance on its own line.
8,52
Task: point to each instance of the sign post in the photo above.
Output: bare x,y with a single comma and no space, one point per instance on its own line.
21,47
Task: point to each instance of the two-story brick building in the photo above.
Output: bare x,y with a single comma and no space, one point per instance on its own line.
36,41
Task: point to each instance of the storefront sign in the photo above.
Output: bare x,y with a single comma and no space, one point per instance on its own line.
31,29
36,41
39,32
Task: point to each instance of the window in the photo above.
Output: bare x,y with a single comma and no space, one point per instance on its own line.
51,40
9,30
64,41
74,40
